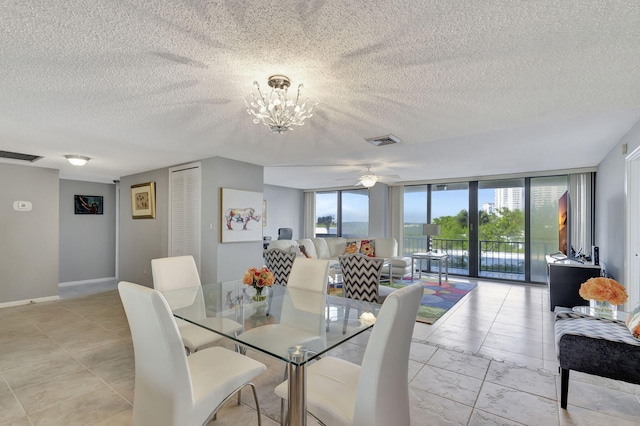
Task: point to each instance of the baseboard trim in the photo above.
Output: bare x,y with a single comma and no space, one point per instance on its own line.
85,282
28,301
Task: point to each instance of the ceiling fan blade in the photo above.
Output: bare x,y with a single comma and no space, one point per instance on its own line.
351,178
390,177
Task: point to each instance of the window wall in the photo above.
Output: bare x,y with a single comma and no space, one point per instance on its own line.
516,224
342,213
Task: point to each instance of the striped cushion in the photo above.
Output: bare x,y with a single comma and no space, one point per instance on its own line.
280,263
361,276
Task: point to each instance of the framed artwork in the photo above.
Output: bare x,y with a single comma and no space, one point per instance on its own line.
264,213
87,204
240,215
143,201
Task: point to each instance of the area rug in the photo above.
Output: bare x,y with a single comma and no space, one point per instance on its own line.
437,300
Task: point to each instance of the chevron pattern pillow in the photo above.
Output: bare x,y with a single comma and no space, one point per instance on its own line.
280,263
361,277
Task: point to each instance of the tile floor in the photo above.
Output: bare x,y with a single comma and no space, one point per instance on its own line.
488,361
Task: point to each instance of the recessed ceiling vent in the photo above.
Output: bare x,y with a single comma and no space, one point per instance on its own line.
19,156
383,140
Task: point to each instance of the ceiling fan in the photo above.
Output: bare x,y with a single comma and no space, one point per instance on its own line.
369,178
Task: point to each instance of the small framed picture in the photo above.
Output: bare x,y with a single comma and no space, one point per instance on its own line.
143,201
88,204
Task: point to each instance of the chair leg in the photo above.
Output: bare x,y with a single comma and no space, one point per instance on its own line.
255,397
283,421
346,318
564,387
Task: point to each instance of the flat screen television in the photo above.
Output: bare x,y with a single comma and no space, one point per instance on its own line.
563,224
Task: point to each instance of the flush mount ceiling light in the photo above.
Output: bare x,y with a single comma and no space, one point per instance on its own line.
77,160
275,110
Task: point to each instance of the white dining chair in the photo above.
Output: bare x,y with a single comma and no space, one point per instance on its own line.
172,388
180,272
302,317
376,393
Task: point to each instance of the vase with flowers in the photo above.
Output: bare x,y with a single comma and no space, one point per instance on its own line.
258,278
604,296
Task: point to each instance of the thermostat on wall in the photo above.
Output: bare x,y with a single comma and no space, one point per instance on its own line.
22,206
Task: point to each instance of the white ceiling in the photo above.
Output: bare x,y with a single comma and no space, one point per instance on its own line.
473,88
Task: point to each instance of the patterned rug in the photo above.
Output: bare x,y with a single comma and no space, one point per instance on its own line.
437,300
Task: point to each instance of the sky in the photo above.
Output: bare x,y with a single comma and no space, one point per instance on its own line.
445,203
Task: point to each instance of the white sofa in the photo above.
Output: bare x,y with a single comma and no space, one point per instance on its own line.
331,248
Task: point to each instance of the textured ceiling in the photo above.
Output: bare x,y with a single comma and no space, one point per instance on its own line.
472,88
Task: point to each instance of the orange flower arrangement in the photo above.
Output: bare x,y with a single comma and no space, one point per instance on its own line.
604,289
258,279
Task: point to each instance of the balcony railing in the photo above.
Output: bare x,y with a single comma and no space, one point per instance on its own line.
497,258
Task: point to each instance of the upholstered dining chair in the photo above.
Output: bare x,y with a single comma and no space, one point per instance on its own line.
280,263
172,388
302,318
180,272
376,393
361,280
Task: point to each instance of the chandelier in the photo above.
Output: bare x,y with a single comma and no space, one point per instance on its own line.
275,110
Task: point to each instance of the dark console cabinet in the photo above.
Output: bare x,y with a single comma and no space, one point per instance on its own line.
564,278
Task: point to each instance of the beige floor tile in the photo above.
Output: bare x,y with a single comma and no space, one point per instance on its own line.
421,352
535,382
49,369
125,388
578,416
10,408
517,345
83,410
447,384
469,365
104,353
516,405
607,401
511,357
124,418
482,418
46,394
115,369
428,409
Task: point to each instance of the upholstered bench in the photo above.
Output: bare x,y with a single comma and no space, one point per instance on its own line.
598,346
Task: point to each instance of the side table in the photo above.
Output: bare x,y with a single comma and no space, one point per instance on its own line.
440,257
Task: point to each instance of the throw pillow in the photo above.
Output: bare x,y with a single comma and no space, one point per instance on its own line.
296,250
352,247
303,250
367,247
633,321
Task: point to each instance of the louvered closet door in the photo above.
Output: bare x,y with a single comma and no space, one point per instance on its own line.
184,221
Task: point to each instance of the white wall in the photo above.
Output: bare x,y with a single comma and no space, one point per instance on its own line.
285,209
610,204
28,240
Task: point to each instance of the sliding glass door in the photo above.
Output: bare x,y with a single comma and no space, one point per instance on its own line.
501,242
450,210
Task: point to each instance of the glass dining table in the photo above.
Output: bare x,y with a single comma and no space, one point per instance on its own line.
296,326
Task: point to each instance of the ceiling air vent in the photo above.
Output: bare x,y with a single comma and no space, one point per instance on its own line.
383,140
19,156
